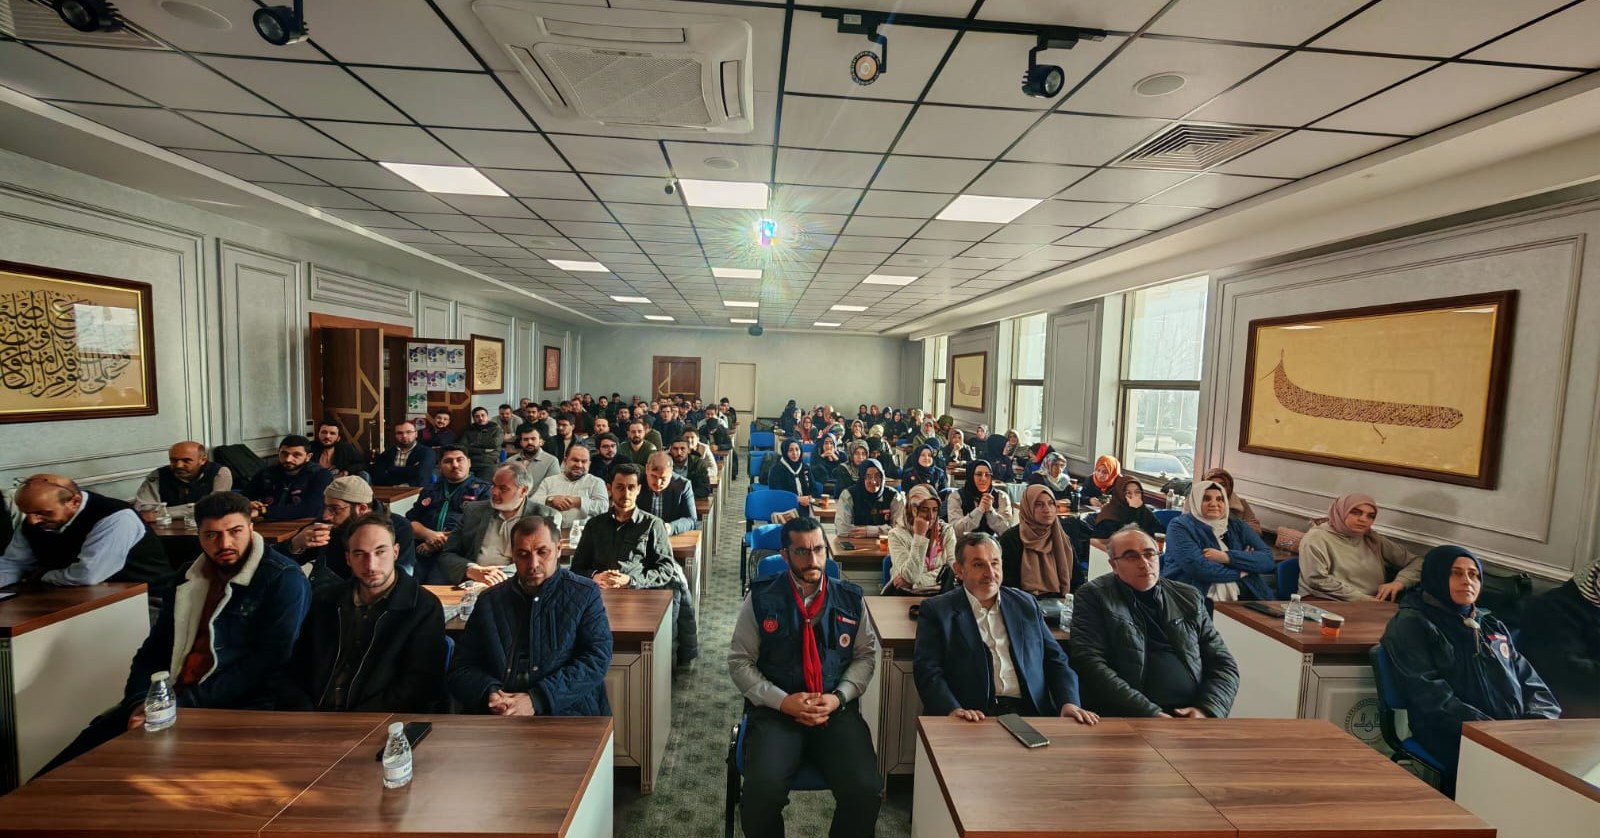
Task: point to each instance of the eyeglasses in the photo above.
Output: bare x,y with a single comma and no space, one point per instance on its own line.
820,550
1137,555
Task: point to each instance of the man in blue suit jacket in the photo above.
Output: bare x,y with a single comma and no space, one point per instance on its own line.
984,650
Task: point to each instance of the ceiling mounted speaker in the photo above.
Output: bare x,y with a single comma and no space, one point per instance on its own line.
755,331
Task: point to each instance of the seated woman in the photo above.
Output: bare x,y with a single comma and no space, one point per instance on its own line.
1561,637
1053,476
1097,491
1001,451
858,430
979,506
957,453
828,474
858,455
926,434
1216,552
1237,507
1454,663
1342,558
1126,507
861,413
894,427
791,474
789,418
877,446
1036,555
920,546
869,507
923,468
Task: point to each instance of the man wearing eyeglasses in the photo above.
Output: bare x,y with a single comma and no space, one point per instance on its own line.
802,655
1143,645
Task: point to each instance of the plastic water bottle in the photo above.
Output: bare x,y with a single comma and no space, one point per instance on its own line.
469,600
396,758
1294,615
160,705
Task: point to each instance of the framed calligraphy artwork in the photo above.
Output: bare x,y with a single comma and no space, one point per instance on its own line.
552,368
968,375
74,346
486,364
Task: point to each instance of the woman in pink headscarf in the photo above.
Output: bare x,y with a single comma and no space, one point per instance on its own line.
1342,558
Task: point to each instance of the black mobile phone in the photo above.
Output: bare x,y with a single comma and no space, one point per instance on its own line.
1024,732
846,545
415,732
1262,608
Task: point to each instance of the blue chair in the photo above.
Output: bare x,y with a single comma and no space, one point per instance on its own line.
807,779
449,650
944,503
759,507
774,565
765,537
755,463
1391,701
1166,516
763,440
1288,577
888,568
807,447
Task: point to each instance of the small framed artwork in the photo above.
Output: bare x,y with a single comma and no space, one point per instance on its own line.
968,374
552,368
74,346
486,364
1415,389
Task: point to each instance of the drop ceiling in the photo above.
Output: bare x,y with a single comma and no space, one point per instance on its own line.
858,173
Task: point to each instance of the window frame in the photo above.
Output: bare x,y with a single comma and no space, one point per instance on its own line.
1126,386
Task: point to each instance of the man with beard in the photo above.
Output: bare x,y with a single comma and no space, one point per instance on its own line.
602,425
531,454
187,477
291,488
607,455
372,644
702,452
405,463
639,449
507,422
438,509
668,426
557,445
334,453
690,465
437,434
323,545
574,494
482,441
480,549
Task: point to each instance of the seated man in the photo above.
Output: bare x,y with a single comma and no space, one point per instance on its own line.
482,440
530,453
802,654
73,537
667,496
323,545
437,511
566,437
573,495
1145,646
334,453
241,605
630,548
715,433
1561,637
405,463
638,449
187,477
669,426
496,670
606,457
602,425
689,466
436,432
292,487
480,547
984,650
702,451
507,422
348,657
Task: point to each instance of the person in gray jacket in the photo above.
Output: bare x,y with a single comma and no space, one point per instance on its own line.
1144,646
480,548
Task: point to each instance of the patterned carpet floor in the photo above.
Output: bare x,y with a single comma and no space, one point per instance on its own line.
690,793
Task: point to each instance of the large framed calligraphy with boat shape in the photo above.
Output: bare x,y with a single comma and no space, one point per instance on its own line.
74,346
1415,389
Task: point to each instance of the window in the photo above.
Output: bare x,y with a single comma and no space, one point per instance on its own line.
1027,380
1160,386
939,363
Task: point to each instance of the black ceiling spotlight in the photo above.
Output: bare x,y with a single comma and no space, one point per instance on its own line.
88,15
281,25
755,331
1044,81
867,66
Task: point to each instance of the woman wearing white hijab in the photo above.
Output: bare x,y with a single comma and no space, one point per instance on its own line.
1215,552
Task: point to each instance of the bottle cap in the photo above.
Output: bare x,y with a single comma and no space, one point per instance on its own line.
159,676
397,728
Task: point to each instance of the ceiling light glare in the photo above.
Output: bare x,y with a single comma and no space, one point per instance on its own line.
741,303
579,267
659,317
447,180
742,320
847,308
825,325
630,299
724,194
986,208
736,273
888,279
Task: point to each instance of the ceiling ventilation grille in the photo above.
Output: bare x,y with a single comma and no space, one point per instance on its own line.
34,20
1196,147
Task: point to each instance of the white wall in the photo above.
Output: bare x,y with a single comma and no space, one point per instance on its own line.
812,369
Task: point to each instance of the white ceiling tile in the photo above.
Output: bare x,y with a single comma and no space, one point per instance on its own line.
618,246
491,205
1125,15
415,236
1084,140
660,233
1256,21
257,168
1061,253
926,174
967,231
634,189
902,204
391,143
171,78
1151,217
825,168
1026,180
357,173
853,257
838,200
591,230
455,100
998,251
1305,152
840,124
312,91
501,149
373,218
1442,96
975,263
568,210
708,161
961,132
393,32
1124,185
869,244
276,135
1210,68
1027,234
1307,86
806,223
1068,213
1215,190
980,71
326,197
404,201
158,127
864,226
1439,28
648,213
37,74
539,184
478,239
613,156
1566,39
1101,237
819,57
444,222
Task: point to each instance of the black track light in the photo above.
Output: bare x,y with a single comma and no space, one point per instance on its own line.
88,15
281,25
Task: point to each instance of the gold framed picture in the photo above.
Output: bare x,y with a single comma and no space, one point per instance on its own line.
486,364
74,346
1415,389
968,377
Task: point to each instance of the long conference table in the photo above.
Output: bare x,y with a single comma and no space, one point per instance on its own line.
242,773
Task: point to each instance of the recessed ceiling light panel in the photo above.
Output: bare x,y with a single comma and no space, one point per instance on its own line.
724,194
658,317
736,273
742,320
574,266
847,308
888,279
630,299
741,303
986,208
449,180
825,325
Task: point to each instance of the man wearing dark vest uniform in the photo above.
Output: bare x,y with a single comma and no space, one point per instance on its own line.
802,655
187,477
72,537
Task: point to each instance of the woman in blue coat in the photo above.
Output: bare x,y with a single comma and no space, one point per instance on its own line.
1215,552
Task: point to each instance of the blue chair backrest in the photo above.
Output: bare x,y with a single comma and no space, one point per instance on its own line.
755,459
944,502
763,439
1166,516
449,650
1288,577
888,567
1389,697
807,447
766,537
774,565
759,506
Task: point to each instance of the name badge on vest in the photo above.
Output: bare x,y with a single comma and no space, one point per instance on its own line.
770,625
1501,645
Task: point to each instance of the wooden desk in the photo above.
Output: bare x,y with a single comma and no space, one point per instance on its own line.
639,682
825,512
1218,778
240,773
1305,675
1535,778
397,499
864,564
64,655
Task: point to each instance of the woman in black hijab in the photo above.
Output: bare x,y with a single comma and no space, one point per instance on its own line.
922,467
868,508
967,510
791,474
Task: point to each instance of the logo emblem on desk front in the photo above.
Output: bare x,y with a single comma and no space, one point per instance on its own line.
1362,720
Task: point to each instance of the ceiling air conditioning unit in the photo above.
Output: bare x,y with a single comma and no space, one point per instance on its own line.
647,69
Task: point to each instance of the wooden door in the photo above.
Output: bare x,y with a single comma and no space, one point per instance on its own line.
352,385
672,375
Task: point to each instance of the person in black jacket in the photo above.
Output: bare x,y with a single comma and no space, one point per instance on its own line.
292,488
1127,507
1455,663
334,453
374,644
1561,637
405,463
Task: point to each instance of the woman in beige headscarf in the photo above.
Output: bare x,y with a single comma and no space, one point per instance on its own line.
920,545
1035,555
1237,507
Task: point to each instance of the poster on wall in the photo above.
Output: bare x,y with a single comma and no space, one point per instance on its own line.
552,368
967,376
1415,389
486,358
74,346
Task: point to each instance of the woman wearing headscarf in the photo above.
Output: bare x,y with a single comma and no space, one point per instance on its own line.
857,457
869,507
1561,637
861,413
1342,558
922,467
926,434
957,452
1127,506
1237,507
876,445
1036,555
828,474
788,419
997,447
979,506
1053,476
858,430
1454,663
1106,472
895,426
920,546
1216,552
791,474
